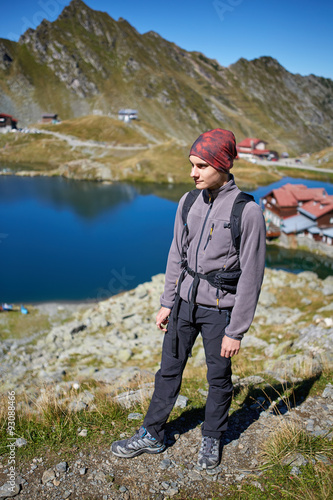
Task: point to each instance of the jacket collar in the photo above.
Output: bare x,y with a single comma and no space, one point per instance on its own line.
229,186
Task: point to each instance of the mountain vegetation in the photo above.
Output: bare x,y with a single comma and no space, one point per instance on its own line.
86,62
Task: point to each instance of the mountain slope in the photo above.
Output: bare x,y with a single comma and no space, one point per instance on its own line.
85,61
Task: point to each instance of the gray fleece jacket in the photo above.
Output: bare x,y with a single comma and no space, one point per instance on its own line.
209,247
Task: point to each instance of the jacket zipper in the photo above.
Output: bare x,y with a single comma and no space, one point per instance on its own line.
197,251
209,236
202,230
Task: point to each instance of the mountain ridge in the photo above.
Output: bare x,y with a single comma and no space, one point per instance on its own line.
85,61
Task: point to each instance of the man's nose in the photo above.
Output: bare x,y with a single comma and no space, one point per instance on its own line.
194,172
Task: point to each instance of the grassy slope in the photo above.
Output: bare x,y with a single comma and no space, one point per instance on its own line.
163,160
181,93
323,158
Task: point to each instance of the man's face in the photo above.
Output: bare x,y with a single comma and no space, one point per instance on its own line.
205,176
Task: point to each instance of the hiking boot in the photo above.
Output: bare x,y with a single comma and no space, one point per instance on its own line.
141,442
209,453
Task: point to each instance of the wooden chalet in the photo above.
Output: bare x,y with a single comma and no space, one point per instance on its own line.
50,118
7,121
252,148
295,209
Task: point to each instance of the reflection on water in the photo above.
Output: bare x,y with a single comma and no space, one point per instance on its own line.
87,199
74,240
297,261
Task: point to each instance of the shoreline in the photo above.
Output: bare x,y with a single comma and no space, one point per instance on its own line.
303,172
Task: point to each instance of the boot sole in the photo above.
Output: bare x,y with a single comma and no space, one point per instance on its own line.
139,452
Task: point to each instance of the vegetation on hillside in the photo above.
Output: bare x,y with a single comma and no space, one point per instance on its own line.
85,61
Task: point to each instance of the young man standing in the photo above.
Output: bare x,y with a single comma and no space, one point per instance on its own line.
210,287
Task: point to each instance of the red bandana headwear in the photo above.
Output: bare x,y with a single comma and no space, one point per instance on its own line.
216,147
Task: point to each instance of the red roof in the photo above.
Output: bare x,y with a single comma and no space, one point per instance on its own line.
4,115
250,142
318,208
290,195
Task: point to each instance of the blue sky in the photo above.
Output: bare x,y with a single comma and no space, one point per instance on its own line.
298,33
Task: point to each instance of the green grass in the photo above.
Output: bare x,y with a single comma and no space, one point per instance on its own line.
101,129
53,429
16,325
315,483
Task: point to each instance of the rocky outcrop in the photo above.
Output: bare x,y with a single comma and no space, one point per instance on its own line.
116,340
115,344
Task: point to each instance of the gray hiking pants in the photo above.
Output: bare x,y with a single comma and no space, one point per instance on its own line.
211,323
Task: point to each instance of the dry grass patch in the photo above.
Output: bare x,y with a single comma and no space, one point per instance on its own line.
102,129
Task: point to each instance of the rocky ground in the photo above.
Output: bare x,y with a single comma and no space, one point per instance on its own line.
100,475
115,343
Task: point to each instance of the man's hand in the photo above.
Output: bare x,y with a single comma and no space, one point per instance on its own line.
230,347
162,318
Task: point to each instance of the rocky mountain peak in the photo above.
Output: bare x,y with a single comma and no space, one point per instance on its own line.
88,59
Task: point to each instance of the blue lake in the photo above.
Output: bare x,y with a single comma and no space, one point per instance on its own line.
63,240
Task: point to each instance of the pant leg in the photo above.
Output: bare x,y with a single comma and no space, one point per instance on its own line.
213,324
169,377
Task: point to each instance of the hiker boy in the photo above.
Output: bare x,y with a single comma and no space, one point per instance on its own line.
212,287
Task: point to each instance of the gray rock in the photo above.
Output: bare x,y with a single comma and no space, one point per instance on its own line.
252,341
62,466
323,458
82,471
310,425
86,397
295,459
20,442
48,475
67,494
100,476
266,298
122,489
181,401
119,375
328,286
165,464
8,490
76,406
295,471
194,476
124,355
83,433
203,392
135,416
251,380
279,349
328,391
308,275
171,492
128,398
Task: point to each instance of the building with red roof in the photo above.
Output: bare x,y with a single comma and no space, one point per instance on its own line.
297,209
253,148
7,122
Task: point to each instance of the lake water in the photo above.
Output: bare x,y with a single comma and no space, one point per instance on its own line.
63,240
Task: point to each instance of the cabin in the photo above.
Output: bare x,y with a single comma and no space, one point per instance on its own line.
286,201
327,236
7,122
126,115
50,118
296,210
253,148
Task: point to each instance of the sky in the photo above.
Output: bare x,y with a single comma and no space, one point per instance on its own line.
298,33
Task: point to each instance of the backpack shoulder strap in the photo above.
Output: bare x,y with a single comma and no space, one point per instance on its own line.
189,200
236,218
